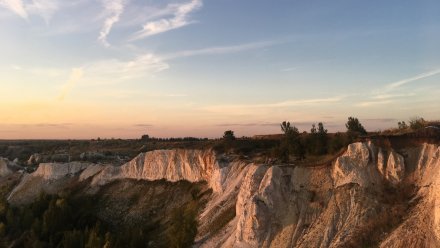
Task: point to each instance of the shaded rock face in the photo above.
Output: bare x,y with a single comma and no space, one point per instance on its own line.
91,156
358,201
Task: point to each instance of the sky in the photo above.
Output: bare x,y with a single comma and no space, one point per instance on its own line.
83,69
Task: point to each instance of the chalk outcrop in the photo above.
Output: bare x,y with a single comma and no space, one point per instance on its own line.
35,159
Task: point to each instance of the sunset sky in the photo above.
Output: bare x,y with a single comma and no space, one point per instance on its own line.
123,68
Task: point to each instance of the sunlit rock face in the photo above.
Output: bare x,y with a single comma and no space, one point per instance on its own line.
258,205
170,165
54,171
337,206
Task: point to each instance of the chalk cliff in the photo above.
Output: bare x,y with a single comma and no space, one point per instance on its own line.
369,196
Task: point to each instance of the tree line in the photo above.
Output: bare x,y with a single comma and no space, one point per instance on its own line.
295,145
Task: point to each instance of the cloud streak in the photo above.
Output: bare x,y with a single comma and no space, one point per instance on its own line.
16,6
43,8
179,18
256,124
75,76
373,103
148,64
222,49
284,104
113,9
402,82
112,70
386,94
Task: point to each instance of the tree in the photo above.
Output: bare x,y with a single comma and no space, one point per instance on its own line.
338,141
290,144
402,125
322,139
321,129
317,140
229,135
288,129
313,130
354,126
145,137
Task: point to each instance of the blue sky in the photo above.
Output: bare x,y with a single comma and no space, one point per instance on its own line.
121,68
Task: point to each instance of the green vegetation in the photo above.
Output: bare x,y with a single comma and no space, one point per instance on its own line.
354,126
304,148
308,148
183,229
51,221
417,123
67,221
291,144
317,142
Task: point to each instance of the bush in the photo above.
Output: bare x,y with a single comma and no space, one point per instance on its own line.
184,228
417,123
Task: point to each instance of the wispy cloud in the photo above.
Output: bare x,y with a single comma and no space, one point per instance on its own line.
16,6
391,96
374,103
143,125
112,10
114,71
75,76
148,64
291,103
107,71
222,49
16,67
43,8
37,125
402,82
391,93
284,104
179,18
258,124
